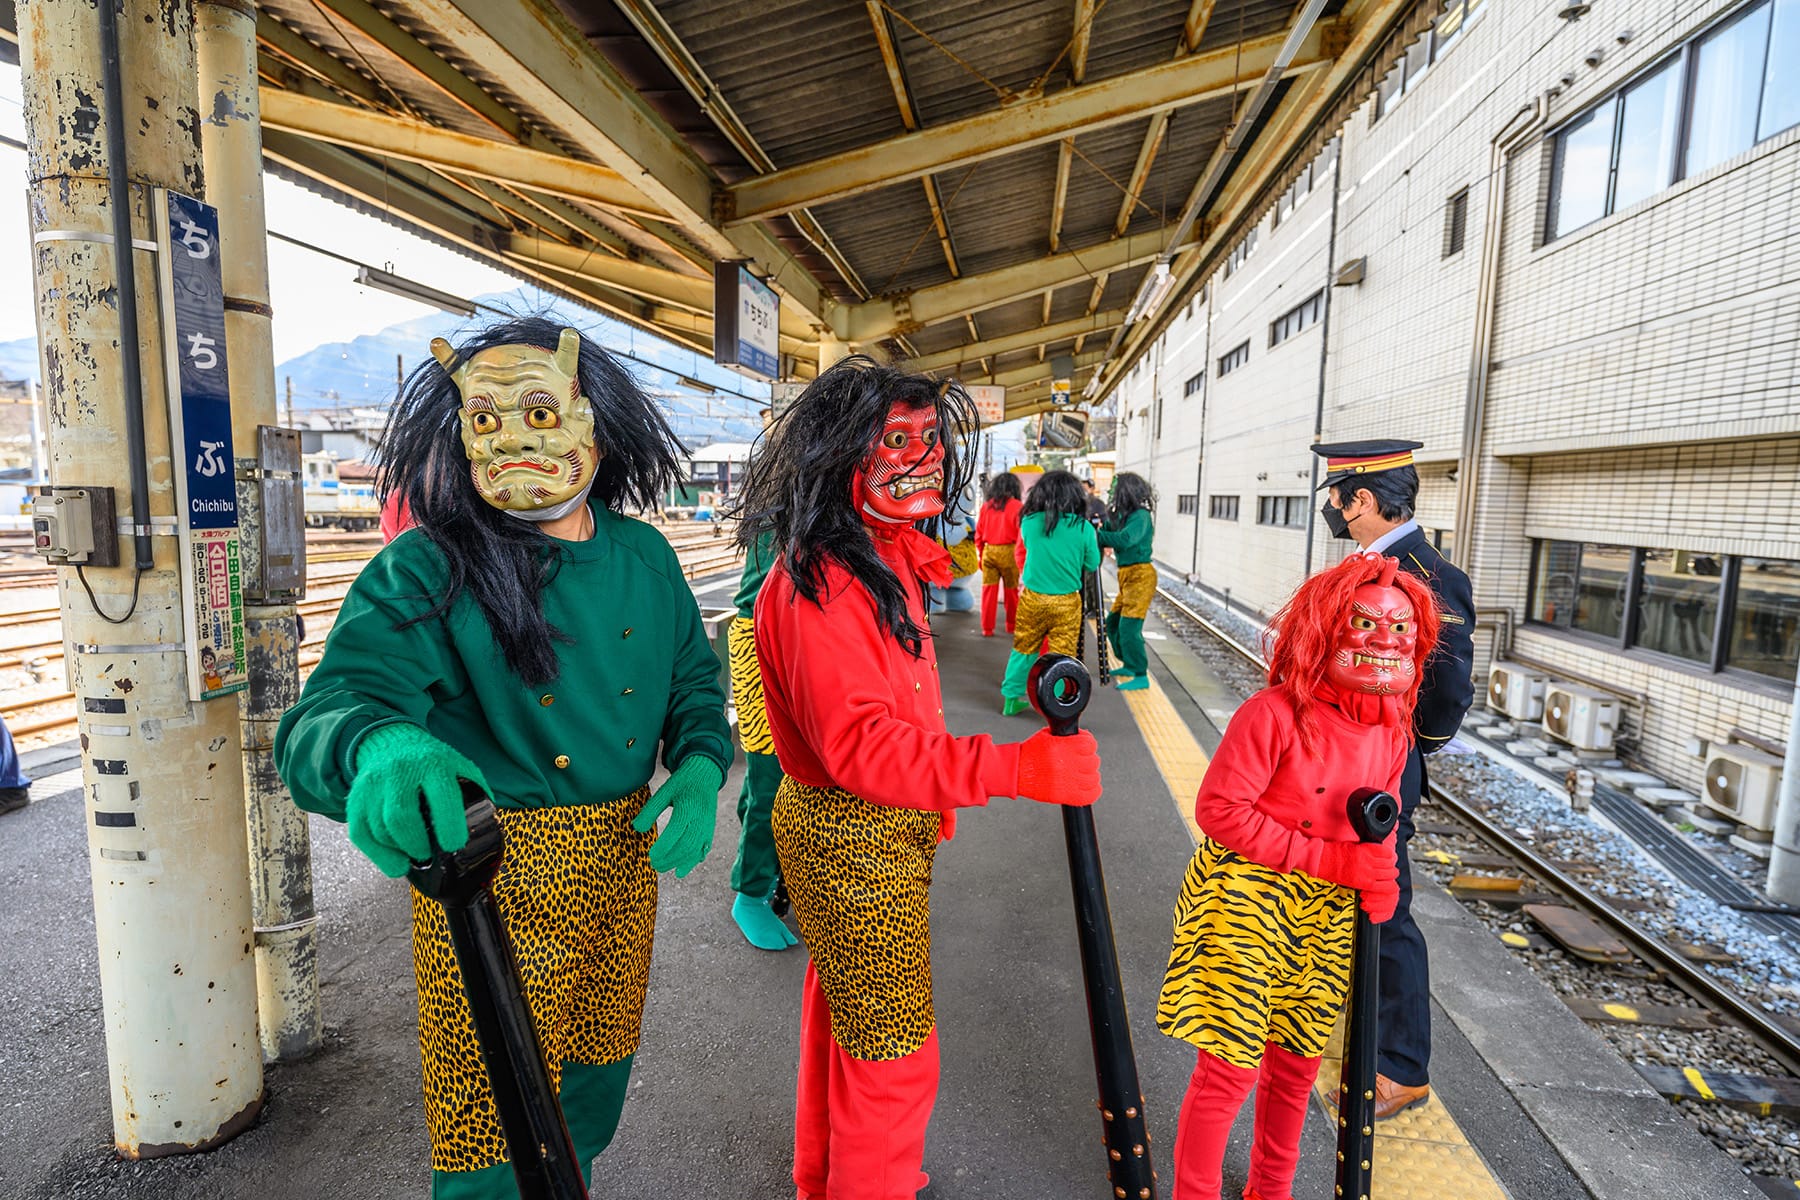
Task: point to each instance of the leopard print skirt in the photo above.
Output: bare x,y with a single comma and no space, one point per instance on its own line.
858,876
579,900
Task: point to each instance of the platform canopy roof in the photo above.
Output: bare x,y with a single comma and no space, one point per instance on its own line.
971,186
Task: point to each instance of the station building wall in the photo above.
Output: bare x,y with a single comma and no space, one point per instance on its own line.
1644,385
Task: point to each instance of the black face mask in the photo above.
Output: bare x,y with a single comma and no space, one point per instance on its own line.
1334,520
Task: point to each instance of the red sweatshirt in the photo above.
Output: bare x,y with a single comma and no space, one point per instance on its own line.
849,708
997,527
1269,800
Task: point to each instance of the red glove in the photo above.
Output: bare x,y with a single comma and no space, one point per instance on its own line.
1060,770
1380,902
1365,866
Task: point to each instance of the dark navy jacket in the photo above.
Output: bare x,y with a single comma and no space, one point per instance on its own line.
1447,689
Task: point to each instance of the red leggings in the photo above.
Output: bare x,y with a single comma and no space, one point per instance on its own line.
1215,1094
859,1127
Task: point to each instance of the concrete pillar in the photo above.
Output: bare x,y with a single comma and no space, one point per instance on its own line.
1784,862
831,349
163,789
280,846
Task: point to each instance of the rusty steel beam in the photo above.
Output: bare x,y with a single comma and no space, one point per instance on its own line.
909,117
1044,335
1033,122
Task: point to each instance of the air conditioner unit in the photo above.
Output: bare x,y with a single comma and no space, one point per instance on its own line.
1516,692
1583,717
1744,783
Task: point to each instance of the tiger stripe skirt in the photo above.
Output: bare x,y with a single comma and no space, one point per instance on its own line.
1260,956
747,687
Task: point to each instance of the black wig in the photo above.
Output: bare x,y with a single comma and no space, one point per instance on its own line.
1057,495
503,562
801,481
1001,488
1131,492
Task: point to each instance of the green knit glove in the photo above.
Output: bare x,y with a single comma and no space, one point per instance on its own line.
692,792
385,815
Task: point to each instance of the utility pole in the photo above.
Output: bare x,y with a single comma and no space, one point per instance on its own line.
273,531
290,401
1784,861
163,794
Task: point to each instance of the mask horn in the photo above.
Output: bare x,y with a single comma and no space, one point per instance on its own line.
446,356
568,352
1389,568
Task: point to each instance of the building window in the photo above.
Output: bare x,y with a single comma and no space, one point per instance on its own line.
1763,632
1195,383
1303,315
1222,508
1582,586
1187,504
1410,70
1242,251
1456,223
1719,612
1288,512
1235,359
1714,97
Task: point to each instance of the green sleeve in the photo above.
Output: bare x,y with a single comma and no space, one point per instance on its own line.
1133,537
1090,550
695,722
756,569
373,673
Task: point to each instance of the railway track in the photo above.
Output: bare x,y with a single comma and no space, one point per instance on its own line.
1780,1041
44,716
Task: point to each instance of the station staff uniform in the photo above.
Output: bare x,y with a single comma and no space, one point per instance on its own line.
1445,692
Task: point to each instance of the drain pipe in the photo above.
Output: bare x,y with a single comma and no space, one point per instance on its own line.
1524,125
1221,166
1312,510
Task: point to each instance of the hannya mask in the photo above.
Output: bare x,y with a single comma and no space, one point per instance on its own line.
1374,648
526,427
902,480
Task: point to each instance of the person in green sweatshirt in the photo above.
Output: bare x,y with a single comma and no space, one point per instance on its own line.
755,871
528,638
1128,531
1058,544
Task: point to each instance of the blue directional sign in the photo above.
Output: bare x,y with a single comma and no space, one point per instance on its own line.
199,341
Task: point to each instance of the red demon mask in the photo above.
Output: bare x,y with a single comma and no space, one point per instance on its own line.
902,480
1374,648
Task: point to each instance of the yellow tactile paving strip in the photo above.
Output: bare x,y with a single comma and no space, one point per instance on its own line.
1421,1154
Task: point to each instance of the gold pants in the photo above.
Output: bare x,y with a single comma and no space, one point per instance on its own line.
579,900
1259,956
747,688
1041,616
1137,587
859,876
999,564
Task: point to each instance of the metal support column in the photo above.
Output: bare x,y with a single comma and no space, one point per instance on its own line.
274,541
162,787
1784,862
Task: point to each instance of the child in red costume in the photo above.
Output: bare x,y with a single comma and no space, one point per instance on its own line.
997,543
872,778
1261,962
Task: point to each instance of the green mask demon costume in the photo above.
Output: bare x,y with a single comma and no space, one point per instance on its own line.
548,669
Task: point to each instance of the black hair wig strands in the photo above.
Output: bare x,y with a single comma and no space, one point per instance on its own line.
1057,495
801,482
503,562
1131,492
1002,487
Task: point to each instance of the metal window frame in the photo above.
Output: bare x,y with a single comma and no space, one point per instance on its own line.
1456,222
1727,613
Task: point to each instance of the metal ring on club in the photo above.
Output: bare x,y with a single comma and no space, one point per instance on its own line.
1059,688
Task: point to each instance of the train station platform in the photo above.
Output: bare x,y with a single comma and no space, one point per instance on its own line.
712,1093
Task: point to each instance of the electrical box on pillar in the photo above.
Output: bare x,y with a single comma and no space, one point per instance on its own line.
75,526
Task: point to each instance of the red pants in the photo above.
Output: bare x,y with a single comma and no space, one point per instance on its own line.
859,1127
1215,1094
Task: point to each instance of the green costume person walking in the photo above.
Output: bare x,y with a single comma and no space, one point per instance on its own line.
529,638
1129,531
754,872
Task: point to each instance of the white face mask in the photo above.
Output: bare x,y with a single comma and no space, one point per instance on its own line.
556,511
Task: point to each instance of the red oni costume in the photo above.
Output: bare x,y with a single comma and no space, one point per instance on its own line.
1261,960
872,782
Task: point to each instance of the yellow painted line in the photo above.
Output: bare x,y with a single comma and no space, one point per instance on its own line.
1178,755
1698,1083
1420,1154
1620,1012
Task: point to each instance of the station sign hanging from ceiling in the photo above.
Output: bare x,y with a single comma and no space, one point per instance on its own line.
192,290
746,322
990,401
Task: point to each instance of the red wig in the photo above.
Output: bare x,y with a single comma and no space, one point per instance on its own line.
1304,632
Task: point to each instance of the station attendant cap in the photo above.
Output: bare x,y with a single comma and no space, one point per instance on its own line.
1347,460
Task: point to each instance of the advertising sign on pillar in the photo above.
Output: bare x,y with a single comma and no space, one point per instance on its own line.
193,322
990,402
746,322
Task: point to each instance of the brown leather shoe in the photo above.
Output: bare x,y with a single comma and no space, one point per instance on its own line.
1393,1098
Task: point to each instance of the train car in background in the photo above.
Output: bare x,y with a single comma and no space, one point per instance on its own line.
339,494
